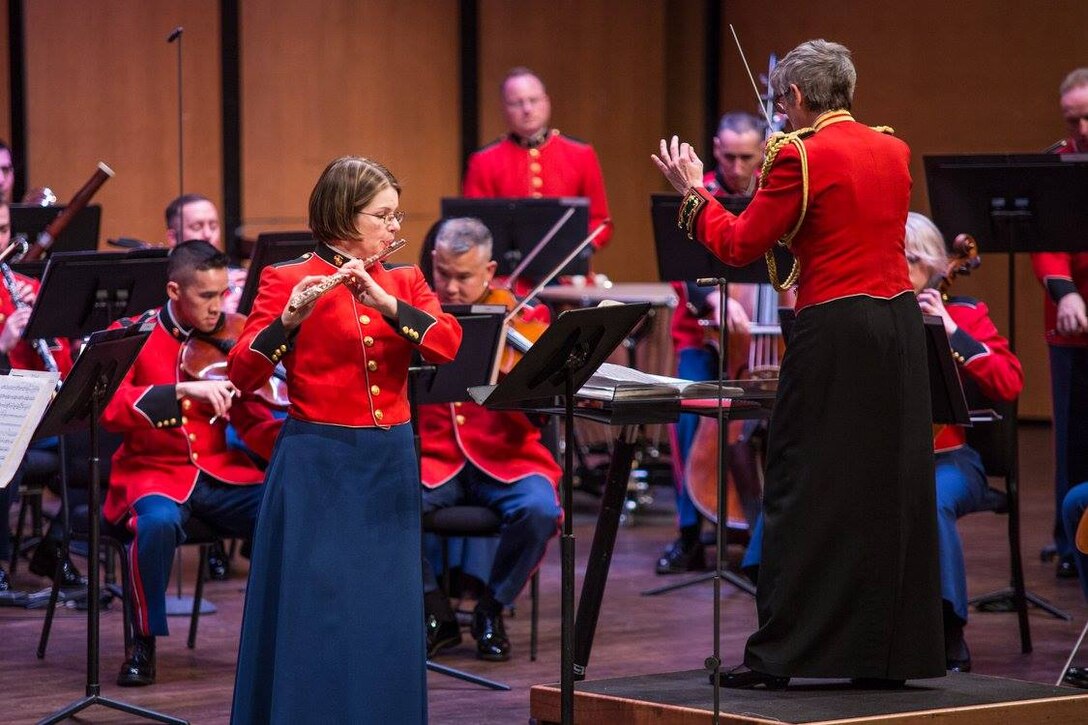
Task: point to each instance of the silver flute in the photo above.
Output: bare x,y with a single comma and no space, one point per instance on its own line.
311,293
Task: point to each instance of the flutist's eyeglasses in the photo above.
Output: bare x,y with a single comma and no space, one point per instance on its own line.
393,216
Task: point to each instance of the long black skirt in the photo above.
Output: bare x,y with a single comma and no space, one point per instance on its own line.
849,581
333,624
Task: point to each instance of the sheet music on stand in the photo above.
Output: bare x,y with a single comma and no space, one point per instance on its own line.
24,397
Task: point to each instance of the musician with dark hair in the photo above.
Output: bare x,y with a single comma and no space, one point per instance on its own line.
174,461
849,584
340,521
7,173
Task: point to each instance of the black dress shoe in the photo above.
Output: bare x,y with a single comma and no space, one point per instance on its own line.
1076,677
1067,568
681,557
877,683
44,563
5,583
743,677
218,567
957,657
138,669
490,634
441,634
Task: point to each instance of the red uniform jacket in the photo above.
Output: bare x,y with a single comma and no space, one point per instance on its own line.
851,241
168,442
984,355
502,444
346,364
1061,273
23,356
691,305
561,166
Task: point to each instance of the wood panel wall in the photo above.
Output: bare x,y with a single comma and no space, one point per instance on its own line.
102,86
380,78
5,70
321,80
969,77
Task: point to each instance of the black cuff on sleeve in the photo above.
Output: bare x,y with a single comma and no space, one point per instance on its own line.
697,297
1058,288
274,341
412,323
965,347
160,405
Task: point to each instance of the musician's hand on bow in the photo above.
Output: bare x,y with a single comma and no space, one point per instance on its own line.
367,291
931,303
217,393
291,320
1071,315
680,165
13,329
736,319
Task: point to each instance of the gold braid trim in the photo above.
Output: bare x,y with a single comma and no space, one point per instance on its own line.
689,211
775,144
883,129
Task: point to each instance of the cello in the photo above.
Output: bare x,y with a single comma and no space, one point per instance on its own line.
754,355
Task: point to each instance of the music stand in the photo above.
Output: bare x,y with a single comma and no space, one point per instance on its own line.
272,248
79,235
86,291
103,362
558,364
1012,203
518,225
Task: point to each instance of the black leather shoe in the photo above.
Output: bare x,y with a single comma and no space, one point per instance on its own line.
743,677
679,558
957,657
1076,677
441,634
1067,568
877,683
218,566
44,563
490,634
138,669
5,583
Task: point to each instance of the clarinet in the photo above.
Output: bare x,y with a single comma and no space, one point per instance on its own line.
40,345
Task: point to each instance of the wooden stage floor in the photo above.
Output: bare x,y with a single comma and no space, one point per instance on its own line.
636,636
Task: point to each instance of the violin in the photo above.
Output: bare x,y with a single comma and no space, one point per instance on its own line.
963,261
204,357
521,331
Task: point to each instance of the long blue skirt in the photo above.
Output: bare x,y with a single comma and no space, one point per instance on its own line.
333,624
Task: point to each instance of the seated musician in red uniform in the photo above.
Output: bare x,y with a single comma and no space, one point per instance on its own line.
16,303
738,150
984,358
533,160
481,457
174,461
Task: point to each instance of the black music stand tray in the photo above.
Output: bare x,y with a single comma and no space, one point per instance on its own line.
94,378
1012,203
80,235
272,248
518,225
558,364
438,384
86,291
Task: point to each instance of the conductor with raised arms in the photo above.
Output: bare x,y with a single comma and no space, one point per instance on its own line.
849,585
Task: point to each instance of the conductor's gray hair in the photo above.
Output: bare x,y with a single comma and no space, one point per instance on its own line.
822,70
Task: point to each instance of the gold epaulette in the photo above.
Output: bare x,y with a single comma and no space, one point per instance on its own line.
776,143
883,129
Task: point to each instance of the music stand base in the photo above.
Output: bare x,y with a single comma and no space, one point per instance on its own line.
745,586
1003,600
462,675
96,699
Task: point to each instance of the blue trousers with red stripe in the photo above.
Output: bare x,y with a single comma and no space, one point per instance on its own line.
157,526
